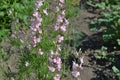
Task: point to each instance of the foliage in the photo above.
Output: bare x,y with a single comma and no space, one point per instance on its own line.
74,2
71,9
102,54
109,22
37,67
116,71
2,54
12,10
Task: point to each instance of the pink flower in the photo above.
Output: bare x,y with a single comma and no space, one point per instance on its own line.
50,60
38,40
59,67
81,60
58,60
80,66
39,4
54,60
57,77
35,14
60,38
56,53
57,8
34,45
63,28
34,39
56,27
62,1
59,19
52,69
75,66
34,29
75,74
58,63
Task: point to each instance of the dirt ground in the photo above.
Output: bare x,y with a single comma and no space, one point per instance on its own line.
93,69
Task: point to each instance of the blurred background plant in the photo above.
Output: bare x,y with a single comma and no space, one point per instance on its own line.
116,71
109,21
103,55
13,12
72,8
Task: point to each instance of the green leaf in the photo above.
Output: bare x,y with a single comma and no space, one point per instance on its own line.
118,21
2,13
116,71
101,5
118,40
4,6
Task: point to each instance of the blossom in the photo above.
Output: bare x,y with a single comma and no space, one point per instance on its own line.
50,60
62,1
45,12
26,64
34,44
38,4
63,28
35,39
56,27
60,38
57,8
75,66
81,60
59,19
58,67
52,53
75,74
58,47
39,31
57,77
66,21
63,12
58,60
40,52
35,14
52,69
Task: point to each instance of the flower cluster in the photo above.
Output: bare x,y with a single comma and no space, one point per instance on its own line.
61,22
76,67
60,26
36,22
55,61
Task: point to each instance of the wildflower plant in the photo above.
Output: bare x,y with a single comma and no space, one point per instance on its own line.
39,37
36,60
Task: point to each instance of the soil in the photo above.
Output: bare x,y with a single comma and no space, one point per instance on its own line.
94,69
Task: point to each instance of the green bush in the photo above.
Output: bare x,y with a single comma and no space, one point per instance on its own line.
109,22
